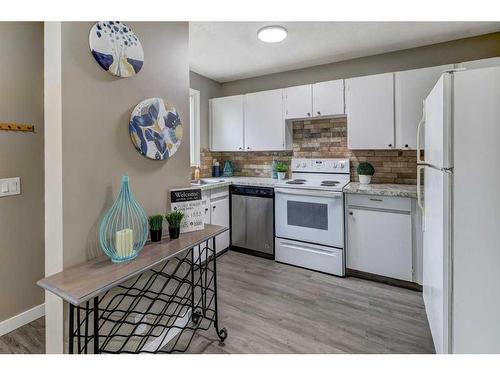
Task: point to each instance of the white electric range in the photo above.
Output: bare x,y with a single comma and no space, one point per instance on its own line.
309,215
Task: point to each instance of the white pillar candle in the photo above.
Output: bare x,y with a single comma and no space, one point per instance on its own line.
119,243
129,242
125,242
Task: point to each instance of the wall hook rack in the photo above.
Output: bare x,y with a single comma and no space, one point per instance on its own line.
17,127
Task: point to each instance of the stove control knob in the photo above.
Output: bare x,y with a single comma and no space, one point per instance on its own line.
304,165
334,165
341,165
297,165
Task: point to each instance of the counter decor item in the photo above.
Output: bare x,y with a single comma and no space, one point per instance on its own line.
124,228
365,171
155,129
228,169
189,202
274,174
216,169
116,48
174,219
197,173
155,227
281,169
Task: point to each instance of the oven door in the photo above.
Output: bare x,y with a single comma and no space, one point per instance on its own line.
314,216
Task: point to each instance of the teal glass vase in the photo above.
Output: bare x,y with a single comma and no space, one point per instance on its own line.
124,228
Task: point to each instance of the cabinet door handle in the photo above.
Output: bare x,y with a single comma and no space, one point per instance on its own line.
248,148
350,213
390,144
376,199
406,146
240,148
319,113
309,114
213,208
206,209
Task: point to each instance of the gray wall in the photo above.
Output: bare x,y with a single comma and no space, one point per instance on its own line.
208,89
442,53
21,155
97,149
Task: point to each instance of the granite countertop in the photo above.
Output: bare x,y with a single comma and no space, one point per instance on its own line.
226,181
393,190
390,190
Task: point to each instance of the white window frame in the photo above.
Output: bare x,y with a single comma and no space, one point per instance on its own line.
194,127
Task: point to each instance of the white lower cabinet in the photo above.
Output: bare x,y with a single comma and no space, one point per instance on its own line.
216,211
379,236
220,216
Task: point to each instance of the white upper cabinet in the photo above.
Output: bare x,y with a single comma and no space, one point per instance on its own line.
328,98
370,112
298,102
226,123
483,63
411,88
264,125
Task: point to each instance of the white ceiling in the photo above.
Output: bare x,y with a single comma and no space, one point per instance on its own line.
226,51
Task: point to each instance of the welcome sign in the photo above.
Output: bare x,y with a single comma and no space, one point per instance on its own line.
189,202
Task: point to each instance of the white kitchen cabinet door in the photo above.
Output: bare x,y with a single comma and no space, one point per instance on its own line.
226,123
220,216
380,242
205,203
298,102
370,112
411,88
328,98
264,124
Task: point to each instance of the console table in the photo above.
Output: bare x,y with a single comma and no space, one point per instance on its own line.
152,304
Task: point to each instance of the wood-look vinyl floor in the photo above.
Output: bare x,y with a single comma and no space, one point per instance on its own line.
28,339
268,307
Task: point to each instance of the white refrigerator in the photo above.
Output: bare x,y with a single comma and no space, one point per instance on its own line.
460,204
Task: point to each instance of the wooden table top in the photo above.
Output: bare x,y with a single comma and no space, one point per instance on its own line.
82,282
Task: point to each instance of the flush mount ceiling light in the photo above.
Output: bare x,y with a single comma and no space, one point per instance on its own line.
272,34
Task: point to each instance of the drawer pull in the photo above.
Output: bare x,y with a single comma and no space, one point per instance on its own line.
376,199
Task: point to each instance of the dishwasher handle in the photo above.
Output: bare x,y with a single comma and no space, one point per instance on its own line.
253,191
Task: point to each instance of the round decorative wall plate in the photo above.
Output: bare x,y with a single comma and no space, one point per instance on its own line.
116,48
155,129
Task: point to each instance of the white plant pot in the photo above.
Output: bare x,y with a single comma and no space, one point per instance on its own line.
364,179
281,175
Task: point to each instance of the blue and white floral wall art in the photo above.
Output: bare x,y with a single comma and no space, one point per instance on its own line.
155,129
116,48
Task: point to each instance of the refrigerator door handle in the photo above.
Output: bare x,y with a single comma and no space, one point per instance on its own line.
419,126
419,194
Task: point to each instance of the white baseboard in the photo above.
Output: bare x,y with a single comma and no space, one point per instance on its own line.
21,319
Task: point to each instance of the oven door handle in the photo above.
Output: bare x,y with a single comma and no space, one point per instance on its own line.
309,193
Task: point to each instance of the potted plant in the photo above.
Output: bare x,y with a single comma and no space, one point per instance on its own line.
365,171
174,223
155,226
281,169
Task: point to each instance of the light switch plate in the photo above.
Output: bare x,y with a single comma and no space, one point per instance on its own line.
10,186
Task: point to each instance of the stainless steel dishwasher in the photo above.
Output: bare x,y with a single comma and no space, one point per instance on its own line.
252,220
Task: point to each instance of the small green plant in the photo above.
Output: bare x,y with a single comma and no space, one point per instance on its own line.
281,167
174,218
155,222
365,169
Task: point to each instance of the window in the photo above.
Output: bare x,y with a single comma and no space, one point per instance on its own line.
194,127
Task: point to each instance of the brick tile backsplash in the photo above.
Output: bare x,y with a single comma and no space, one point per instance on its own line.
322,138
